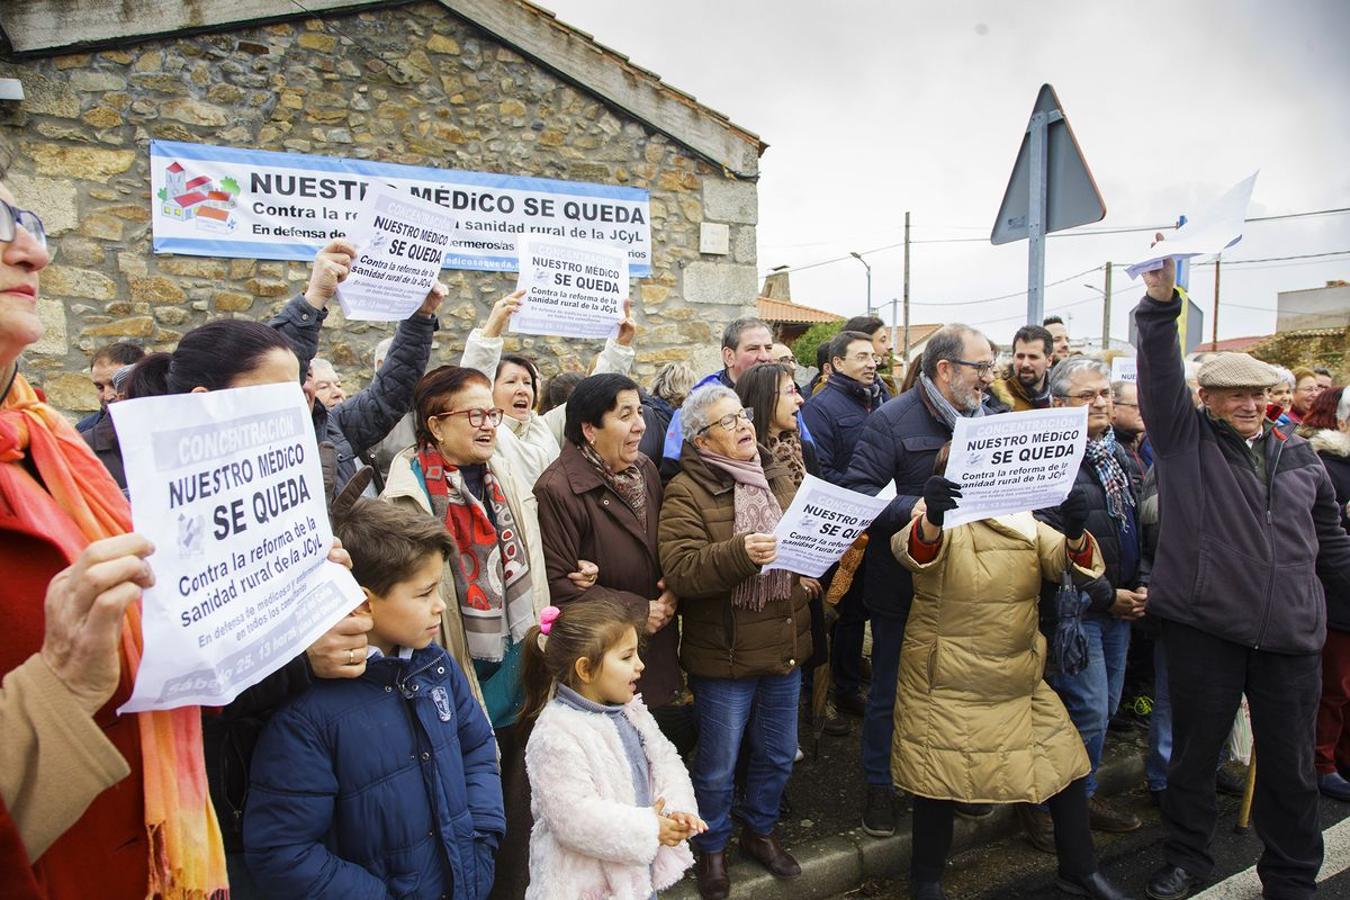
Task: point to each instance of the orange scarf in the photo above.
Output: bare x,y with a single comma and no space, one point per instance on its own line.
187,857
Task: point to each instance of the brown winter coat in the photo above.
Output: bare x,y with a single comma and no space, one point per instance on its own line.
704,559
582,517
974,719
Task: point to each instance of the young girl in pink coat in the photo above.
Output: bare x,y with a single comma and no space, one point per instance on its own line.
612,801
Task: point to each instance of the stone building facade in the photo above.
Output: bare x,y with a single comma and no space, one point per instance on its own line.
483,85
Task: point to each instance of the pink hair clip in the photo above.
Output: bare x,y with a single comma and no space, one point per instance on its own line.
547,616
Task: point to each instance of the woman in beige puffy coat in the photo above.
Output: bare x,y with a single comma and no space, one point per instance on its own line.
974,719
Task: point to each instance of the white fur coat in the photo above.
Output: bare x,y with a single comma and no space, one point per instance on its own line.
591,841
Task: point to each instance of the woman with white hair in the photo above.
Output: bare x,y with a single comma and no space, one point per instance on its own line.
1279,397
745,631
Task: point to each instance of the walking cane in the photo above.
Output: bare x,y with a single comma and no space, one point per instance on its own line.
1244,819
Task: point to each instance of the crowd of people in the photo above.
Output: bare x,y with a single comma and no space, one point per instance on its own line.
572,674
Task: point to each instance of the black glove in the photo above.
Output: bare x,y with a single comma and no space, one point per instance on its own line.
939,495
1074,512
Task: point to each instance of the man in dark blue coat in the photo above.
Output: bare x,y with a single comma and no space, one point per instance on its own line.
836,416
899,444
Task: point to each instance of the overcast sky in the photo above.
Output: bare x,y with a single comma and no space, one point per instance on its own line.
873,108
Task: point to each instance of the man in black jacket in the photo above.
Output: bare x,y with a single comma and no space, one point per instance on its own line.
899,444
1249,525
1111,482
836,416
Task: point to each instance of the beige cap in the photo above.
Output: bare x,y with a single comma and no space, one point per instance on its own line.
1232,370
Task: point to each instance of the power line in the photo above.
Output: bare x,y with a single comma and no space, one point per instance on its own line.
1007,296
1074,233
1266,259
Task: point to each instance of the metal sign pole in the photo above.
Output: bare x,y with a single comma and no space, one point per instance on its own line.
1036,219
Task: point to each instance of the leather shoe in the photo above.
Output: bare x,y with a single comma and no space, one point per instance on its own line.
1103,817
926,890
1039,826
835,725
852,703
1334,786
1095,886
1171,883
973,810
765,850
711,871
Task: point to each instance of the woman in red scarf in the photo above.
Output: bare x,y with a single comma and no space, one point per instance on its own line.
97,804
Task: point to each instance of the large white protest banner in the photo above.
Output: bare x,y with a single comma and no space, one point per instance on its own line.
1015,462
258,204
1126,369
400,242
573,288
823,521
228,487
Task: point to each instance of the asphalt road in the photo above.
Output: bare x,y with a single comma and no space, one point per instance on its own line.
1013,870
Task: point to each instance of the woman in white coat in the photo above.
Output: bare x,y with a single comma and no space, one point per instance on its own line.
515,385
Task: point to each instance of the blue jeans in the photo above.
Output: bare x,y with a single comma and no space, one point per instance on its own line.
879,718
1159,725
761,709
1092,696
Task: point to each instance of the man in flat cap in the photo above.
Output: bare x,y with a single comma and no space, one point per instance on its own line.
1249,531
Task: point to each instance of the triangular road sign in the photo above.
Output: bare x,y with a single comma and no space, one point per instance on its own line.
1071,197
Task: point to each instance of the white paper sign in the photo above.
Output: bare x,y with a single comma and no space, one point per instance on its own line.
401,241
823,521
228,487
1211,232
573,288
1126,369
1015,462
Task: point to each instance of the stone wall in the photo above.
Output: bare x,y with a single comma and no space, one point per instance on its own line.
1328,347
411,84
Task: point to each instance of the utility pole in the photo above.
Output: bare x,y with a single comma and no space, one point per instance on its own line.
905,355
1106,310
1214,327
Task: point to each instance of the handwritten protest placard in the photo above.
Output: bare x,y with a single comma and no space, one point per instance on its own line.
823,521
573,288
400,241
1015,462
227,485
1126,369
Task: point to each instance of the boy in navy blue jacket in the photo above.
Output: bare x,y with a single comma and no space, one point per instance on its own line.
384,784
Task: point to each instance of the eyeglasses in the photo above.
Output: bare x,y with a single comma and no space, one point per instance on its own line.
730,421
984,368
12,216
1086,397
476,417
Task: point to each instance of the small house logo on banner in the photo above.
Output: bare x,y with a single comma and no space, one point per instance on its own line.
197,198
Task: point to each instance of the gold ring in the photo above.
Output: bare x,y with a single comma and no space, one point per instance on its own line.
351,657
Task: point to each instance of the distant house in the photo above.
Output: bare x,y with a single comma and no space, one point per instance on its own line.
788,320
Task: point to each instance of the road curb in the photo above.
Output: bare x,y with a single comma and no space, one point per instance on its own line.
840,862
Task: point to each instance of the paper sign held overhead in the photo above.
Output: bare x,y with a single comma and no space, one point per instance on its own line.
400,242
572,288
1211,232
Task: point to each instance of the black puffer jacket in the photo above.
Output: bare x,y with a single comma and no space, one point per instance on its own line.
1248,538
359,423
1103,527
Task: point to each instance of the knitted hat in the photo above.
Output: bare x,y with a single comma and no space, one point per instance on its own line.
1232,370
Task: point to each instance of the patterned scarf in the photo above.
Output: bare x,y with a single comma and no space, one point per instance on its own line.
81,504
757,510
492,568
871,395
628,484
786,448
940,407
1102,456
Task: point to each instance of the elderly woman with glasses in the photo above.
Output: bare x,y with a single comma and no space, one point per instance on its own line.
746,630
496,585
